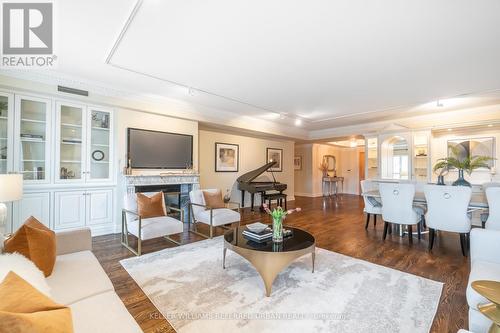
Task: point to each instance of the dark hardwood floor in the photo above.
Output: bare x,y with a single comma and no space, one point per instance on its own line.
338,225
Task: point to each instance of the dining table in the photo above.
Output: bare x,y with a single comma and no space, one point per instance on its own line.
478,199
478,202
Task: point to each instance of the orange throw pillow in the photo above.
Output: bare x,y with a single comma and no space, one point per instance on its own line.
24,309
36,242
153,206
213,199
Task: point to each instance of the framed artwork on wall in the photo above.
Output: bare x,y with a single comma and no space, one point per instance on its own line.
469,147
297,163
227,157
275,155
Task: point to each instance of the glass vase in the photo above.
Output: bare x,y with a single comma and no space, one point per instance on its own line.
461,179
277,229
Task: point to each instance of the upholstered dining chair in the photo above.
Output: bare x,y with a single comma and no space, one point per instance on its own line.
485,215
372,205
493,196
397,207
447,210
213,217
147,228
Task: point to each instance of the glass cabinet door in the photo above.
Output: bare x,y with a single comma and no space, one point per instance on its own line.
33,128
6,125
100,144
421,170
70,142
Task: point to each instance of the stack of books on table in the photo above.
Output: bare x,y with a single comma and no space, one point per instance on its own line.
262,236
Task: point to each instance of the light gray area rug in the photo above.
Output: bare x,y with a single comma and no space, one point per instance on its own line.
191,290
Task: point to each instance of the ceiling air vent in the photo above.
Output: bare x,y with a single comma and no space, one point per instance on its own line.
72,91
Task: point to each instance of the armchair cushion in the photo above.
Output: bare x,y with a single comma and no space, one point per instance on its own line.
484,245
213,200
481,270
155,227
221,216
151,206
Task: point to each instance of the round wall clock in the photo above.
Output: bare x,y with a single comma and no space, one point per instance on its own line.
97,155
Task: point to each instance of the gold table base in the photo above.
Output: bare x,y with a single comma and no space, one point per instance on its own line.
490,290
269,264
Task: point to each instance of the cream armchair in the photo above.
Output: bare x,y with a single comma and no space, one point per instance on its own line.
219,217
149,228
484,265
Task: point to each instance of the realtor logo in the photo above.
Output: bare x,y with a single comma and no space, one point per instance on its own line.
27,29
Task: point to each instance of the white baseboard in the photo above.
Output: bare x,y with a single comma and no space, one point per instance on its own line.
309,195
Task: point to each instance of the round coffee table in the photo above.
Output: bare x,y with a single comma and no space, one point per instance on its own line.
269,258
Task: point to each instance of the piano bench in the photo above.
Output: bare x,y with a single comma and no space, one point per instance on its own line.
279,197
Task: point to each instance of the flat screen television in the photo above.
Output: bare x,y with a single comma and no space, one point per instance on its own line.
159,150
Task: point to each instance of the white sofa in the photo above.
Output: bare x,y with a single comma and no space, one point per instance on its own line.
485,265
79,281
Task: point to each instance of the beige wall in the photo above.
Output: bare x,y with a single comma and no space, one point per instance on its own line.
252,156
303,183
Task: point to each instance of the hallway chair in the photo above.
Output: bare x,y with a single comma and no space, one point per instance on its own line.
372,205
447,210
213,217
147,228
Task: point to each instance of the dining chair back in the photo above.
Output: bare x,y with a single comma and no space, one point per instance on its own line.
493,196
397,203
447,208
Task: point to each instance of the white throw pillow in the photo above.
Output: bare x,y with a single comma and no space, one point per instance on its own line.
25,268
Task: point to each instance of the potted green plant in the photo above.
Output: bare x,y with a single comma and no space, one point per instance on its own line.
467,164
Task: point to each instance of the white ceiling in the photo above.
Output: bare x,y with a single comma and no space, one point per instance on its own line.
332,63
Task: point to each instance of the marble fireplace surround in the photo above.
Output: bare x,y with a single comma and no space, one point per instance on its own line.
179,184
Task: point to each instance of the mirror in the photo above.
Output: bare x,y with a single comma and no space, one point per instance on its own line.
395,164
331,161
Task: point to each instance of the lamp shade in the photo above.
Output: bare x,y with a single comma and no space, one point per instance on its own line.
11,187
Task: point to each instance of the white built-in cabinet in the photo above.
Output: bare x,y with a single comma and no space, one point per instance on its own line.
64,149
75,209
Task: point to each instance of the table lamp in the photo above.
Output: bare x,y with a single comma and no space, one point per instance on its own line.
11,189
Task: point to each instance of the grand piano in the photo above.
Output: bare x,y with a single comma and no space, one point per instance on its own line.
246,183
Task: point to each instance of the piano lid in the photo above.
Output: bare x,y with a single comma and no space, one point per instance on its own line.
249,176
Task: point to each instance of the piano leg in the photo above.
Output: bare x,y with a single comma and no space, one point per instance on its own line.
242,198
252,200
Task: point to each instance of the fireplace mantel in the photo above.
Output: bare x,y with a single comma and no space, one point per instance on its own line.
185,181
167,179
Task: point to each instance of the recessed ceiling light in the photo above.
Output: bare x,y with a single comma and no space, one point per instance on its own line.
298,122
449,129
490,125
